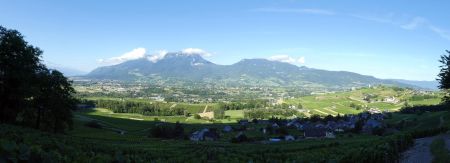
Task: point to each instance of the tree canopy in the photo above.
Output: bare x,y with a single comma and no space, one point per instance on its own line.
444,76
30,93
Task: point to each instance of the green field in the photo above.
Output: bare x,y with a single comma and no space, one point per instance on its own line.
340,103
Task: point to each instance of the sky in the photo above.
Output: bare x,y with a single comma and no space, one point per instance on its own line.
400,39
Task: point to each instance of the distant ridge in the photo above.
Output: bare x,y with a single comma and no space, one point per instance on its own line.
430,85
179,66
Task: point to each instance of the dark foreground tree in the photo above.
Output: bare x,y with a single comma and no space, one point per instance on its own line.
31,94
444,76
18,64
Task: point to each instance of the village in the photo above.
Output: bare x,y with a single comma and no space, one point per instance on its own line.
277,130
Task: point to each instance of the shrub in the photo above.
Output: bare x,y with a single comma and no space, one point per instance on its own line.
93,124
167,132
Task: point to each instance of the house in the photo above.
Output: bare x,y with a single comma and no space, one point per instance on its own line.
374,111
391,100
227,129
204,134
275,125
329,134
274,140
294,123
198,135
289,138
314,132
370,125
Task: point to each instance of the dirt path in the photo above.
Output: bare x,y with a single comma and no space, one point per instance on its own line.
447,141
421,153
206,109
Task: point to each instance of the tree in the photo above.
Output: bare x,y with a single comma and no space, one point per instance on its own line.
219,113
60,101
444,76
299,106
18,64
31,94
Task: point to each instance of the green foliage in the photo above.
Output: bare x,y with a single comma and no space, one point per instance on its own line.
444,75
440,152
19,62
144,108
93,124
422,97
31,94
268,113
244,104
167,132
423,108
219,113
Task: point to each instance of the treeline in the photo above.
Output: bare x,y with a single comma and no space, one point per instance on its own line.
268,113
31,94
254,104
424,108
423,97
248,104
144,108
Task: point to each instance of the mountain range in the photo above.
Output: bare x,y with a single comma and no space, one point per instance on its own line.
179,66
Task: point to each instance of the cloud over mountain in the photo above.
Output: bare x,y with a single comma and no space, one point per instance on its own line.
132,55
142,53
192,51
287,59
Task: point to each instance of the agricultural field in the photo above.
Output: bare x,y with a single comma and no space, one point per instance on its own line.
380,98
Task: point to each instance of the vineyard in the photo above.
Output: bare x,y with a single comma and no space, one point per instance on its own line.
87,144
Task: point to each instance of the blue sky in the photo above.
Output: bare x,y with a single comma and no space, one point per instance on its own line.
384,38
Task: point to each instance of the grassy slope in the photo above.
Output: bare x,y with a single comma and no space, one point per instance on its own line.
178,150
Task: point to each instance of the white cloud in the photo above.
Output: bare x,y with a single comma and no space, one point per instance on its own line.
443,33
301,60
412,23
297,11
415,23
192,51
287,59
157,56
134,54
375,18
